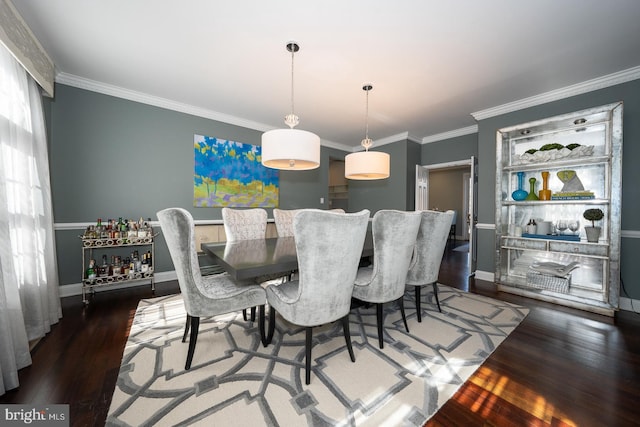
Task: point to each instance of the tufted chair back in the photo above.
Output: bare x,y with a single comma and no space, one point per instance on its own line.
244,224
284,221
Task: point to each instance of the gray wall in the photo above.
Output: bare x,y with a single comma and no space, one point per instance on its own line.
445,151
450,150
390,193
112,157
629,93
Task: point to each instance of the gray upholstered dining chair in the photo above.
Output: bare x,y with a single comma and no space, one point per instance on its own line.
394,239
284,221
246,224
322,294
430,245
284,226
203,296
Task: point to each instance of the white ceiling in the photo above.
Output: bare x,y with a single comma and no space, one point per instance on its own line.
431,63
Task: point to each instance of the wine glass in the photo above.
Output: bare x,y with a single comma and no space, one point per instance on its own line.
574,225
562,225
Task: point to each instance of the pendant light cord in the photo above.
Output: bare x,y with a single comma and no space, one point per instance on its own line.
366,118
291,119
292,54
366,142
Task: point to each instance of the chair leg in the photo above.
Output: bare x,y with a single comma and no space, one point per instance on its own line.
347,336
379,318
253,314
418,309
186,328
272,325
307,350
435,292
404,317
195,325
261,319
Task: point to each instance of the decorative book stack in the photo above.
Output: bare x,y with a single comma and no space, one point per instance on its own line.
573,195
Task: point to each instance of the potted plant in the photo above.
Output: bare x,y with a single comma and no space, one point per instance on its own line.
593,232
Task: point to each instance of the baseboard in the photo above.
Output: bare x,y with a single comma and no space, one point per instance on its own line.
76,288
487,276
629,304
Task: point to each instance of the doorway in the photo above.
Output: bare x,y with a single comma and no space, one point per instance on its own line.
338,185
452,186
447,188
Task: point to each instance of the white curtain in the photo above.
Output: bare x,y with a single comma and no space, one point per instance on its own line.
29,298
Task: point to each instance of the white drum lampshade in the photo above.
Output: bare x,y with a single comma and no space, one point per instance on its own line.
290,149
367,165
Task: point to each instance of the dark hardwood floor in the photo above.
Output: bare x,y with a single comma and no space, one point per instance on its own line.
560,367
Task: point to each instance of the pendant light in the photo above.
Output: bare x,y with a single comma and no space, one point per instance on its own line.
366,165
291,149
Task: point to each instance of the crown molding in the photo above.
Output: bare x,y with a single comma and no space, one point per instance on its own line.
450,134
337,146
566,92
131,95
403,136
577,89
143,98
414,138
392,138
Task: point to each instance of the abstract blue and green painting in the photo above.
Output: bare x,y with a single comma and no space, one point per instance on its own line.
229,173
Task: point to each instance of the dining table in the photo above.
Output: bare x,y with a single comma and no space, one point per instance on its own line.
248,259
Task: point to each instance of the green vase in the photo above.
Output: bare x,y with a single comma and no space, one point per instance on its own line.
532,192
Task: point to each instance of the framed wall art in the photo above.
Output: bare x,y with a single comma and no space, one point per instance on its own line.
231,174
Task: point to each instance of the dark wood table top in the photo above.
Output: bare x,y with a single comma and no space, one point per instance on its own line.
248,259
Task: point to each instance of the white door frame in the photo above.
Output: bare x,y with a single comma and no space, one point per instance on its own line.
422,181
422,200
465,204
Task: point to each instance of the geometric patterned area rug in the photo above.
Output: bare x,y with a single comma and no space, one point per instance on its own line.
235,381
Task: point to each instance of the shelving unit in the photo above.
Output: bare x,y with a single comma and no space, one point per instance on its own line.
594,285
89,245
339,191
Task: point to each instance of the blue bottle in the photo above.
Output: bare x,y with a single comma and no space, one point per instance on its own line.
520,194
